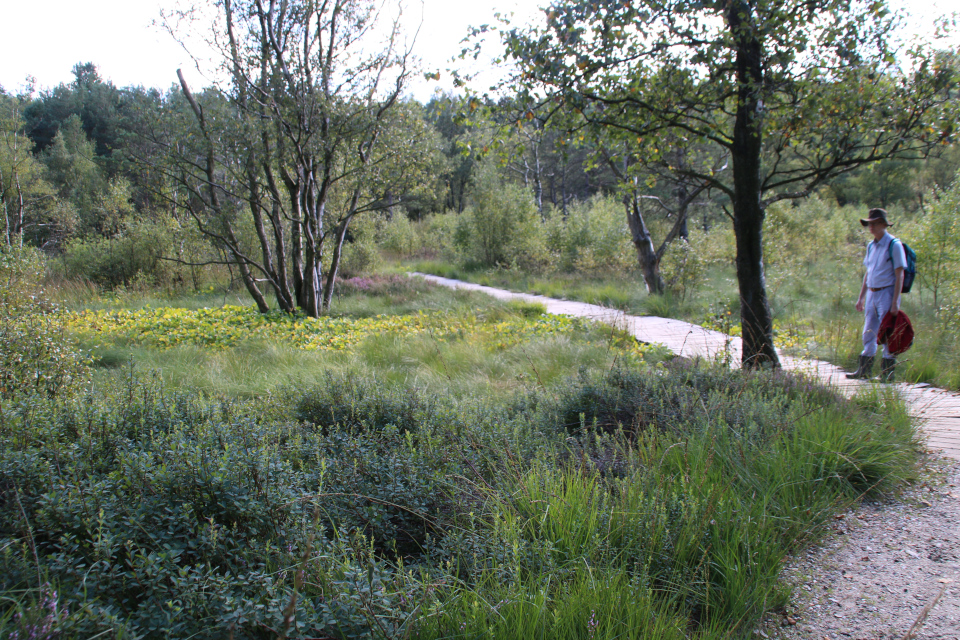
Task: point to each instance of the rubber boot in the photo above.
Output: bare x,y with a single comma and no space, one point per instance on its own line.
864,368
887,365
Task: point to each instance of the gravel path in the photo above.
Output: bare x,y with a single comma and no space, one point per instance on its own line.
889,571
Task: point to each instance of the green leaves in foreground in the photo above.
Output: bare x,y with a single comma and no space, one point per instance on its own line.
418,513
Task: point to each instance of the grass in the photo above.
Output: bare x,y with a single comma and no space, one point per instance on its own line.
474,343
255,368
832,327
464,485
623,291
386,507
813,308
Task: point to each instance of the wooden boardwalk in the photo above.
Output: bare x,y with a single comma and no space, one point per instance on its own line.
937,411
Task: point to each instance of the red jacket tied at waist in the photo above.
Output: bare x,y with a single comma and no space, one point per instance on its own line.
896,332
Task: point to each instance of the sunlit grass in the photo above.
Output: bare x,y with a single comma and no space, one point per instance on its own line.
468,347
463,366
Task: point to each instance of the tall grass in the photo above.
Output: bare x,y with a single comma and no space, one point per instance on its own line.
255,368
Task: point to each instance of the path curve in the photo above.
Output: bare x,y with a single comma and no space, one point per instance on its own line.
937,411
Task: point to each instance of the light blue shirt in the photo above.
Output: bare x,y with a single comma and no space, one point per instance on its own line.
880,267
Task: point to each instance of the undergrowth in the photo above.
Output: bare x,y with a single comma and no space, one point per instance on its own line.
620,503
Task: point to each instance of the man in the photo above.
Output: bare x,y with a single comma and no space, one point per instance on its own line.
880,292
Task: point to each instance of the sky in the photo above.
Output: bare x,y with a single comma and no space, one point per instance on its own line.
122,39
46,38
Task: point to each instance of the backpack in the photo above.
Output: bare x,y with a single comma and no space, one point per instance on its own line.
910,271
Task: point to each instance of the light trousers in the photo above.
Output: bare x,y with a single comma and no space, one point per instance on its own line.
876,306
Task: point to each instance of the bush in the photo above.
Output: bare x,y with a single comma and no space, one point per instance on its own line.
391,511
501,228
593,236
935,242
682,268
400,237
36,358
360,252
165,515
130,259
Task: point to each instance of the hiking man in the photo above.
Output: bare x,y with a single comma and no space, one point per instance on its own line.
880,293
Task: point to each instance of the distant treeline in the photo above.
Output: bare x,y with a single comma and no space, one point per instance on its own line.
82,178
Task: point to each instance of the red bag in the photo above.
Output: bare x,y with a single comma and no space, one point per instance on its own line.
896,332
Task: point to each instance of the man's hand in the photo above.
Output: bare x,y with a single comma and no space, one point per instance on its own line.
860,304
895,306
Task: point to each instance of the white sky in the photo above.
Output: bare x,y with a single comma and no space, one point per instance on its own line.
46,38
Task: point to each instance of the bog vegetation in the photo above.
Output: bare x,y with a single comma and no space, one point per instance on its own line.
227,409
478,472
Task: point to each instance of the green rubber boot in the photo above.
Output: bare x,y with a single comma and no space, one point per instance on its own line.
887,365
864,369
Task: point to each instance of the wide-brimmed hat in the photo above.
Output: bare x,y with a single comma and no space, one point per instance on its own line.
875,215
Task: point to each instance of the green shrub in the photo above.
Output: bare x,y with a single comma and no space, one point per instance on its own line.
502,226
399,237
591,237
682,268
437,235
173,516
361,403
360,254
934,240
360,509
36,357
130,259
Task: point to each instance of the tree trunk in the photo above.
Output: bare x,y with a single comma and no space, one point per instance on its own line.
310,295
646,254
683,200
748,214
335,264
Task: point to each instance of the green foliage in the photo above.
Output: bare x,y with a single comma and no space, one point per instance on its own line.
646,75
797,236
934,239
360,403
72,169
133,257
591,237
36,356
96,103
458,345
683,266
361,256
31,210
501,227
699,521
359,508
398,237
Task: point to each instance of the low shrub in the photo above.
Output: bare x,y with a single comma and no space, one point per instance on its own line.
591,237
618,504
36,356
361,404
502,227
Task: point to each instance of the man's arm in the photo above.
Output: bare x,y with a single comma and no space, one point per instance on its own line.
863,292
897,289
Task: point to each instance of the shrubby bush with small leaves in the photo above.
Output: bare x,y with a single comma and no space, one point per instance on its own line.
501,227
591,237
36,355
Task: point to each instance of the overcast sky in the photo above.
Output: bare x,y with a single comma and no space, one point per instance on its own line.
46,38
